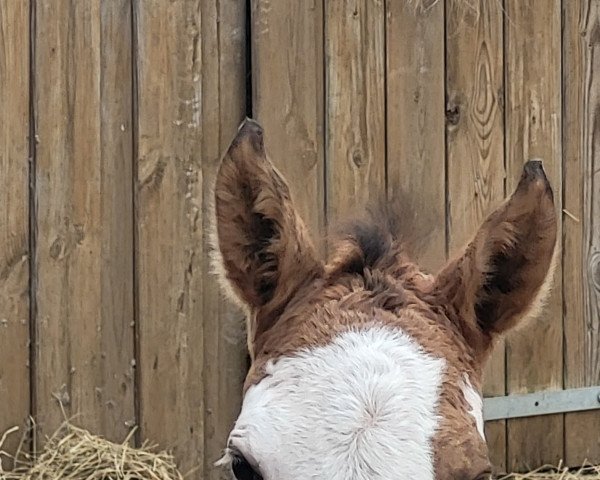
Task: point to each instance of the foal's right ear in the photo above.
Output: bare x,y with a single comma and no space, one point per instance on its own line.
504,274
263,252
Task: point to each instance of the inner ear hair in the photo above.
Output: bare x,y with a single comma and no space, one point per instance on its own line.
264,254
505,272
533,306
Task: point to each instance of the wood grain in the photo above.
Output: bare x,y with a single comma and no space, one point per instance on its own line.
14,217
84,290
287,83
533,129
475,151
581,251
415,120
223,108
169,251
187,113
355,105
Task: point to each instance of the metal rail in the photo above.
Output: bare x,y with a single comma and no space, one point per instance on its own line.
541,403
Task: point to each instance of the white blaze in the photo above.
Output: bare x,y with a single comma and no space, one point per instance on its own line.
362,407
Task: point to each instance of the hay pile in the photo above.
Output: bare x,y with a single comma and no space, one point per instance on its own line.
73,453
588,472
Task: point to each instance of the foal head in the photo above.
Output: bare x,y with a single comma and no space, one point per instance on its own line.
365,367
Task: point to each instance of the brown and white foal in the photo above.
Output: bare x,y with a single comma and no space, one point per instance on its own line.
365,367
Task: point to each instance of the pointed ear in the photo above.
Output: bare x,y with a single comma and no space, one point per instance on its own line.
263,252
505,272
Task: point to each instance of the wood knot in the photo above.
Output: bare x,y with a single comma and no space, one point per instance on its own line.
595,270
453,114
358,158
56,248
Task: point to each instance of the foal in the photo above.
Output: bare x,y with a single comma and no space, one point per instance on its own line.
366,368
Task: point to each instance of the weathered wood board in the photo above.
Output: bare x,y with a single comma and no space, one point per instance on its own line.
14,217
223,107
84,351
190,352
354,105
287,98
581,249
415,122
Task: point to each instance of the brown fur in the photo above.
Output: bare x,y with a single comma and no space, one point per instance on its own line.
267,254
297,302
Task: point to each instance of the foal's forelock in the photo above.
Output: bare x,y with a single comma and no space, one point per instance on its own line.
364,366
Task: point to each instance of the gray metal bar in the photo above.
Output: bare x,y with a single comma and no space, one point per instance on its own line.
541,403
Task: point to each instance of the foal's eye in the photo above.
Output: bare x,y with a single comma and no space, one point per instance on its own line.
242,470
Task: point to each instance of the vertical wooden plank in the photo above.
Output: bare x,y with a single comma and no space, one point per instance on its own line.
169,253
14,216
287,83
581,251
415,119
533,129
190,101
223,72
83,180
475,151
355,104
117,351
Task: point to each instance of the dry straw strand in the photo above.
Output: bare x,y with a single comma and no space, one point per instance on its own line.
546,472
73,453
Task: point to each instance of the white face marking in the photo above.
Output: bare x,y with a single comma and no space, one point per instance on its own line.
476,403
362,407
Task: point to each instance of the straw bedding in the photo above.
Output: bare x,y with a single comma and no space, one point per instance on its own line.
73,453
588,472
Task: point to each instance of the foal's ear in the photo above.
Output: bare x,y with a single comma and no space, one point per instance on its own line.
263,252
505,272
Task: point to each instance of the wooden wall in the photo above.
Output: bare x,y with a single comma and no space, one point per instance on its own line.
114,117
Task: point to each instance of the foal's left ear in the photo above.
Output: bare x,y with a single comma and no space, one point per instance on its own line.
264,254
505,272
